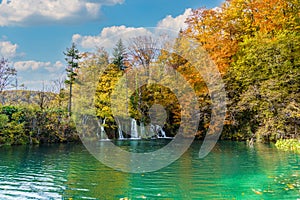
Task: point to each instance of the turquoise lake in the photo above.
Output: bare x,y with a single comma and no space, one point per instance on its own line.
231,171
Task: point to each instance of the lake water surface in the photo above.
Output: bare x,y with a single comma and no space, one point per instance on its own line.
231,171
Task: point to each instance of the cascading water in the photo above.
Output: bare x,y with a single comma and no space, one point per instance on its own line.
121,137
134,131
103,135
153,132
142,130
162,132
157,131
84,124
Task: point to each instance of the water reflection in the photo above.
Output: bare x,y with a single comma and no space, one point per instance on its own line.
231,170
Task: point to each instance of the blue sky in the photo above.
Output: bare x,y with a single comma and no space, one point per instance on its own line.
34,33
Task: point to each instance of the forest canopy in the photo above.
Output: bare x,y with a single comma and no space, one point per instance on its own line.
253,43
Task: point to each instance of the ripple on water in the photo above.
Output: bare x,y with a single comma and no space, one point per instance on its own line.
231,171
32,184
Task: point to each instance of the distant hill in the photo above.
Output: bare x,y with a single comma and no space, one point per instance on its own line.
26,96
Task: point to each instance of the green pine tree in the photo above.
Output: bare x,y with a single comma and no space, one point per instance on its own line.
72,58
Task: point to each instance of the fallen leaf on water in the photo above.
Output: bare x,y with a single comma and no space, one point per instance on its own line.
290,186
257,192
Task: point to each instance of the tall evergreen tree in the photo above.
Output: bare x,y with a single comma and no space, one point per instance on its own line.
72,58
119,55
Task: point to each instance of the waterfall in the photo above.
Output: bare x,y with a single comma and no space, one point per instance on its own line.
121,137
103,135
134,131
153,132
84,125
142,130
120,133
163,133
157,131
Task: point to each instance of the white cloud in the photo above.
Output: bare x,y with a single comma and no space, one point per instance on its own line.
28,12
175,23
108,37
32,65
8,50
56,67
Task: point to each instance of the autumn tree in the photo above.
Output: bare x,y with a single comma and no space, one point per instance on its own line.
91,68
104,89
253,45
95,81
143,50
263,86
221,29
58,87
7,74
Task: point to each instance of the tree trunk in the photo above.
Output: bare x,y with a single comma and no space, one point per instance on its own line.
70,101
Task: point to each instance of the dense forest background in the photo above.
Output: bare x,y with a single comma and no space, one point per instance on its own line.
255,45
